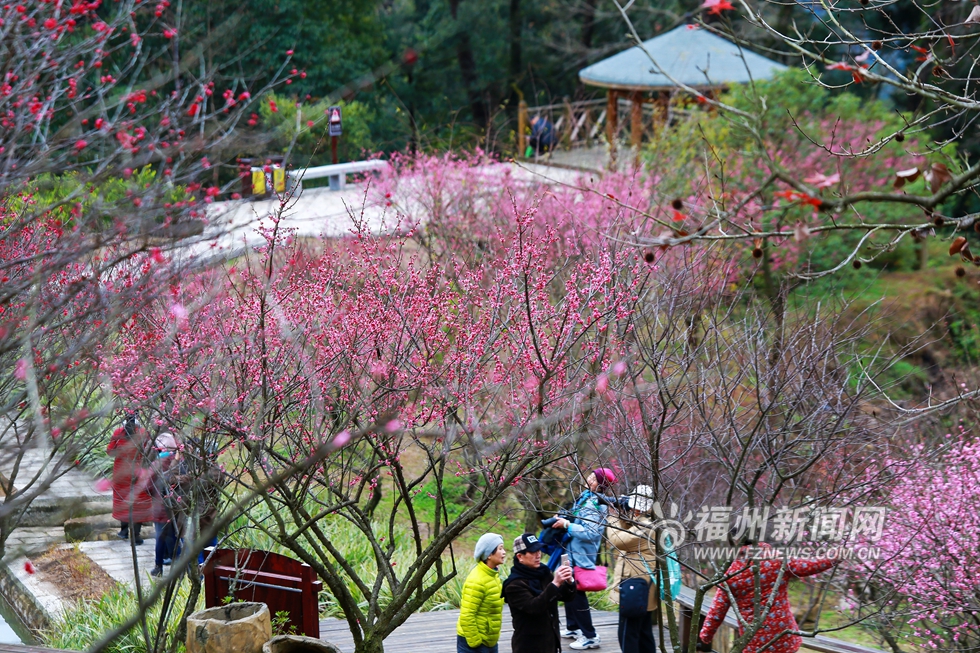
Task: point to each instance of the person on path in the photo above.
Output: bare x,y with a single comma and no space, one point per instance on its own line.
584,538
533,592
775,634
200,485
632,536
131,501
482,604
164,518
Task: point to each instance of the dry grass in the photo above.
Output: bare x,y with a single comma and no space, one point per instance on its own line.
74,573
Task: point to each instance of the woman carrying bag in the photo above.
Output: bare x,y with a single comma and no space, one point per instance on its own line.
634,585
588,519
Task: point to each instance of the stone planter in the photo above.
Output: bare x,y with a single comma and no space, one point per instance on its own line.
298,644
232,628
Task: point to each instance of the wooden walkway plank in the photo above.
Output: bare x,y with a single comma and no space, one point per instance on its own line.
435,632
23,648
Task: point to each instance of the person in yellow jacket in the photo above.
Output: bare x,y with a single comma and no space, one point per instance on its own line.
482,604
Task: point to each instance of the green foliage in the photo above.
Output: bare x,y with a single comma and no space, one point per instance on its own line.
356,548
67,195
86,622
310,145
964,323
713,153
281,625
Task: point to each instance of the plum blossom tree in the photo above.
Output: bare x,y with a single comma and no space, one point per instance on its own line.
106,124
716,408
431,359
924,584
873,46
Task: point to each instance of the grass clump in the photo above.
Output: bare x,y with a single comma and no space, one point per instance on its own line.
87,621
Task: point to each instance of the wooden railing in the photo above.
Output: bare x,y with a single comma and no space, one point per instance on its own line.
587,123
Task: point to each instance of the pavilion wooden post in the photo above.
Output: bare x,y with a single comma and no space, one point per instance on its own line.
661,110
636,119
521,129
612,118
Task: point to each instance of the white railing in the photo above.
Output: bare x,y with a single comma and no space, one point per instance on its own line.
336,172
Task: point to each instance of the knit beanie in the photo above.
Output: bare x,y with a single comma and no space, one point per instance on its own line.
605,477
486,545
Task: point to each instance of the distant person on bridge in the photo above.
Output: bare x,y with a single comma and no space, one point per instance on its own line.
775,634
482,603
532,592
543,137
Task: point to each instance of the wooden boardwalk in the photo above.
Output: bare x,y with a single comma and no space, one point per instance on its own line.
435,632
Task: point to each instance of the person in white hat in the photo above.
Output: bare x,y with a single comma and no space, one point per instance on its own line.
633,537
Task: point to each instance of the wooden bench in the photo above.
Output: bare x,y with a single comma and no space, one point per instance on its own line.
284,584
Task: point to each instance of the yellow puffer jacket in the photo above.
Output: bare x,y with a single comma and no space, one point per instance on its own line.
481,607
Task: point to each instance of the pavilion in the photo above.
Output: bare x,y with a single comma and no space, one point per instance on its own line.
686,58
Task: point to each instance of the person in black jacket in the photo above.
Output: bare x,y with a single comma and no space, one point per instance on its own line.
533,592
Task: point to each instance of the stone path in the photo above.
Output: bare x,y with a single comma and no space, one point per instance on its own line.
116,558
32,540
72,489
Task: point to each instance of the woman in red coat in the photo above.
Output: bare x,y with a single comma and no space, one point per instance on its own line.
774,633
131,500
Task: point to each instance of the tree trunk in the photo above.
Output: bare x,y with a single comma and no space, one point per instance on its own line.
370,644
467,70
515,39
588,27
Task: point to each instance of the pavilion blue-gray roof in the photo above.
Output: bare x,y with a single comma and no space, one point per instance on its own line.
693,57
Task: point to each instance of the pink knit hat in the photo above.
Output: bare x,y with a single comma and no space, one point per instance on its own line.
605,477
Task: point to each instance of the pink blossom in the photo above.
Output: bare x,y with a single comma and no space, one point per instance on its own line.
602,384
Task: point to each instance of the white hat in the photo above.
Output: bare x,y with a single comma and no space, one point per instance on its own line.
166,442
641,499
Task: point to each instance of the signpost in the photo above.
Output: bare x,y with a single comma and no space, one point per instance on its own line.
335,124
